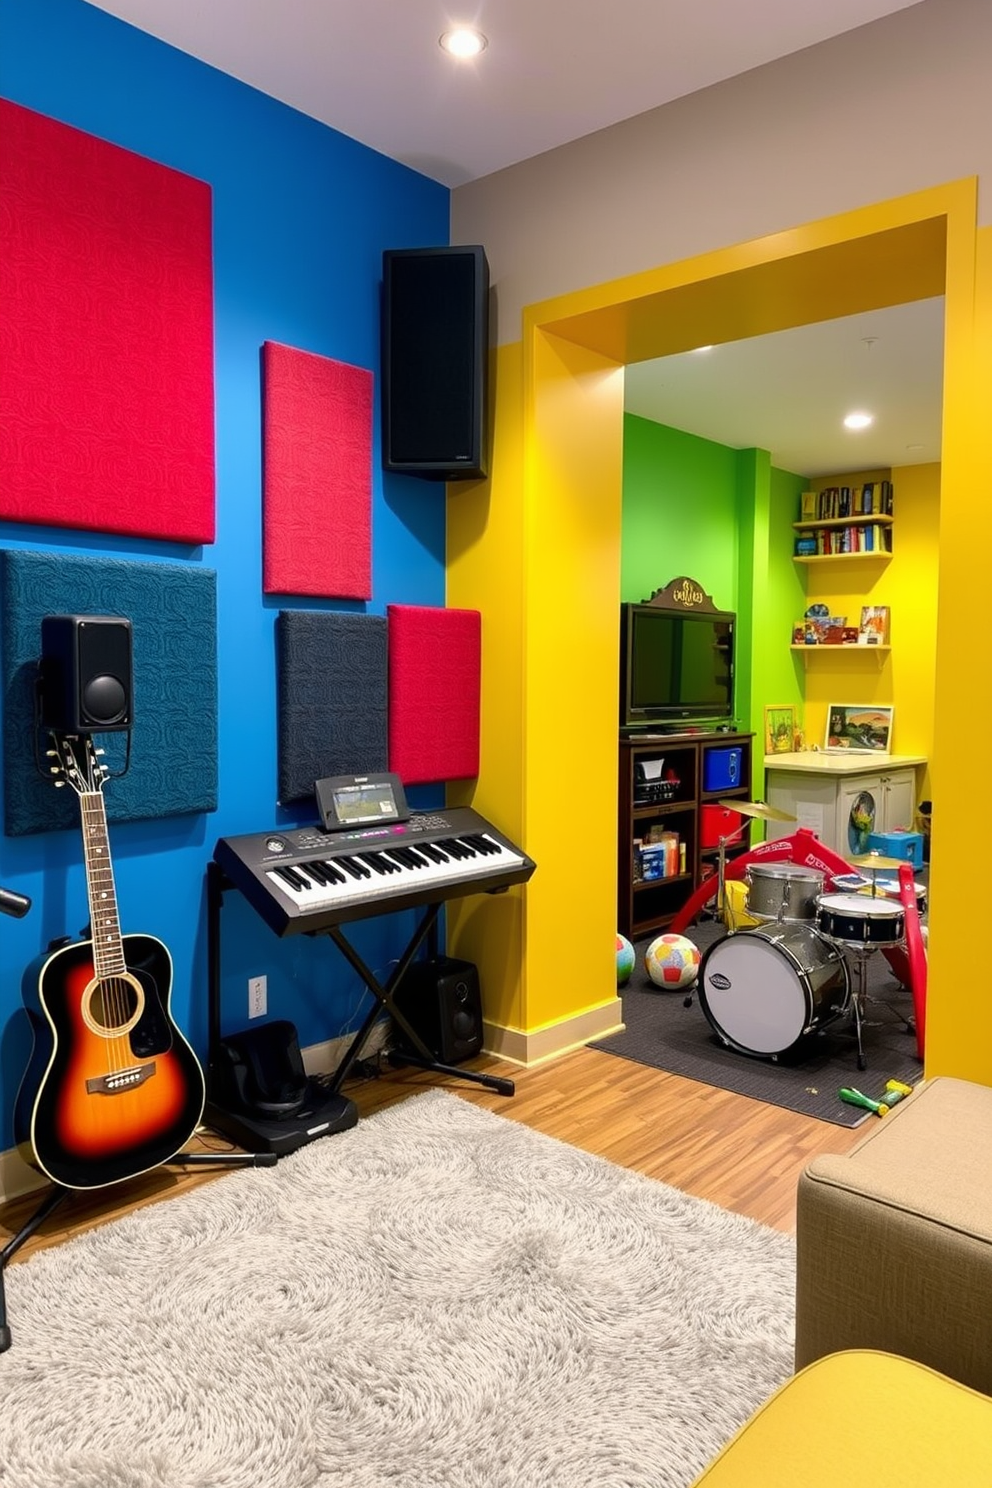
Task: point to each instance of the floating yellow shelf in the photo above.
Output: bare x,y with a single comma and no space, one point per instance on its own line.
873,557
811,523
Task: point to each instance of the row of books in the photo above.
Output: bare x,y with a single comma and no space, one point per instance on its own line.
661,855
834,503
833,540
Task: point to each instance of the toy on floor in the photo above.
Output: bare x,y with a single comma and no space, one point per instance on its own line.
895,1090
672,962
625,960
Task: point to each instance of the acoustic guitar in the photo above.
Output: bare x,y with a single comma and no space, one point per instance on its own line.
112,1088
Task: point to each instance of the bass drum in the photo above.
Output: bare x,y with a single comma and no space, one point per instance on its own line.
765,991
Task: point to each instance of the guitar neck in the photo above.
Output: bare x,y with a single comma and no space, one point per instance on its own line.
108,946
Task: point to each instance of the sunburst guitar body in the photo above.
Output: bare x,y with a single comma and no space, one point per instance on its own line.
112,1088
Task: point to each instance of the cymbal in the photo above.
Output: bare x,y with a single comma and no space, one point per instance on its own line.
875,860
757,808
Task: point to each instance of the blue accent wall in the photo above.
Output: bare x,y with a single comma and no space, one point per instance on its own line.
301,217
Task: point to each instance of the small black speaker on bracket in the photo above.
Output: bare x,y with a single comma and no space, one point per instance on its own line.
86,685
435,361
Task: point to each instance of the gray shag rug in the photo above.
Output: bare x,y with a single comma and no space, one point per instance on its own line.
439,1298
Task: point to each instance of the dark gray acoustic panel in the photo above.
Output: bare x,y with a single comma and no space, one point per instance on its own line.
173,614
332,686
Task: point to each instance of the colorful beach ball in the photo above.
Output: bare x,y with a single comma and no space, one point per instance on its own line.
625,960
672,962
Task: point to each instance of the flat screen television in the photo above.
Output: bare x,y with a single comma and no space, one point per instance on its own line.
675,668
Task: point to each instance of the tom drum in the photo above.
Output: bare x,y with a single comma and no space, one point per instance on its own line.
857,920
766,990
888,888
782,891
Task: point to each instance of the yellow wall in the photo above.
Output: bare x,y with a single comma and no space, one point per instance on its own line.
959,1019
904,676
569,420
485,547
544,568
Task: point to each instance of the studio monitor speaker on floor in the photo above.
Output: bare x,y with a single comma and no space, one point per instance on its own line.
435,358
440,999
86,674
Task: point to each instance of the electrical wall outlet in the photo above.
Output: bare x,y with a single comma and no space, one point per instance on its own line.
258,996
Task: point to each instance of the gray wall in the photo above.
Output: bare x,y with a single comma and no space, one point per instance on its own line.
893,107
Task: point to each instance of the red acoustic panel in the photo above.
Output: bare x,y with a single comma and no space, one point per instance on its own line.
435,672
317,485
106,336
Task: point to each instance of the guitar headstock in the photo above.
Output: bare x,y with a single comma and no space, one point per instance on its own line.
76,762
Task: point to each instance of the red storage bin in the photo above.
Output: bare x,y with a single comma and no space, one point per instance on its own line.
717,822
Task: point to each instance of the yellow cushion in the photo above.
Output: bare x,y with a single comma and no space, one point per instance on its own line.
861,1418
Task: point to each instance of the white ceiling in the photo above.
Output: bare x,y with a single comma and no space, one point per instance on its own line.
555,70
788,393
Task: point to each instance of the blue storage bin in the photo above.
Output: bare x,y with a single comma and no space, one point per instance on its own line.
905,845
722,768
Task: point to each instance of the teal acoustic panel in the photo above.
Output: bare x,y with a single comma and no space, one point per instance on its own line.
173,614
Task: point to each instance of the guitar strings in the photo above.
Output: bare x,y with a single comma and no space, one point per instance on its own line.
113,987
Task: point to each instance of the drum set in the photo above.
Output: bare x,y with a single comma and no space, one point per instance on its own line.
768,989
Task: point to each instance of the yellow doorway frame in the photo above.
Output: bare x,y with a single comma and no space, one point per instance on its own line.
537,549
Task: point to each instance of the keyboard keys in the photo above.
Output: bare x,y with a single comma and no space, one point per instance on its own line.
347,878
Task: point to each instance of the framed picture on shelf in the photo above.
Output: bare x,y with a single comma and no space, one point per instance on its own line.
859,728
874,627
780,728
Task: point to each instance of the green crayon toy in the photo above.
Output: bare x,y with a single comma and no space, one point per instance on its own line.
855,1098
895,1090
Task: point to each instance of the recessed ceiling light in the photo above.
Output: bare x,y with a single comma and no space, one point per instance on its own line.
701,348
858,420
463,41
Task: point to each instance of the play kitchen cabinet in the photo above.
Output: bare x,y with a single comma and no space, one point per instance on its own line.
842,797
666,781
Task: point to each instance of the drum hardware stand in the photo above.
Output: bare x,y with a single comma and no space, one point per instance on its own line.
859,1000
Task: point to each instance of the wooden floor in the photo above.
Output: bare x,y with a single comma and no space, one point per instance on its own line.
737,1152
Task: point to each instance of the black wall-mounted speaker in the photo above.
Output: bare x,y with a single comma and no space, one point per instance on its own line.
440,999
86,685
435,361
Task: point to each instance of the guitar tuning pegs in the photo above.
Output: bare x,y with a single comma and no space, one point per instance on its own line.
99,751
59,784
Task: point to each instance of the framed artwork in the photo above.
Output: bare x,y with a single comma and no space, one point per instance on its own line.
780,729
862,728
874,627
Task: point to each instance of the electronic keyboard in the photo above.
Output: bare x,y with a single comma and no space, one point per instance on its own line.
305,879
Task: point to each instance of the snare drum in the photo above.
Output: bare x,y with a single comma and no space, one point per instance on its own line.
856,920
782,891
766,991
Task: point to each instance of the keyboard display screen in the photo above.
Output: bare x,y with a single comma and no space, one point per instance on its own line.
365,803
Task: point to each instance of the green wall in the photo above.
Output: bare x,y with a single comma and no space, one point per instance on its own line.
679,512
723,516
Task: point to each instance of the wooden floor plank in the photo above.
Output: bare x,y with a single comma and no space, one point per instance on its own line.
739,1153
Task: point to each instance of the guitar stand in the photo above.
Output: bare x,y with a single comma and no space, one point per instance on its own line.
58,1194
415,1051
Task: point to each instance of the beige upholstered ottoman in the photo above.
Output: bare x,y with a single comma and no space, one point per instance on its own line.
894,1239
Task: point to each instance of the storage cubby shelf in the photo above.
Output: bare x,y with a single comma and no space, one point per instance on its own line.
646,905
